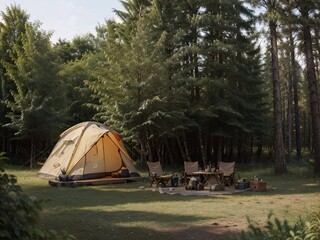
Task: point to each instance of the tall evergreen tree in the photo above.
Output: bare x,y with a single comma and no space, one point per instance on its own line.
168,68
304,14
272,7
230,74
37,106
73,58
12,27
289,31
306,9
294,74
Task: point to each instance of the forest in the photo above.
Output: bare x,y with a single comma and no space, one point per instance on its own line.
200,80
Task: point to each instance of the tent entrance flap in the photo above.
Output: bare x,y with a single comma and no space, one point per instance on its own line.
94,159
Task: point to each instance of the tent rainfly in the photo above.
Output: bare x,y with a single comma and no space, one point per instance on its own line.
85,151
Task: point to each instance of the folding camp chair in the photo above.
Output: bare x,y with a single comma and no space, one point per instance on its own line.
189,169
157,175
228,172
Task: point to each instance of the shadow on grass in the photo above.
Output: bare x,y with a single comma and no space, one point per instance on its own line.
106,195
107,212
119,194
124,211
123,224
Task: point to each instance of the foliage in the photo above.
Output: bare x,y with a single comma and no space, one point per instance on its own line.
163,78
70,51
275,229
37,107
11,29
116,211
180,80
20,213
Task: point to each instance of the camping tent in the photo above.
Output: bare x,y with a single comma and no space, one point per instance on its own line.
85,151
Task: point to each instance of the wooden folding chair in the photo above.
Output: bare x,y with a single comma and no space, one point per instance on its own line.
189,169
157,175
228,169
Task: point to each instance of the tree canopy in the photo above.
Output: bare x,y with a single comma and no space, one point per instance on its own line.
180,80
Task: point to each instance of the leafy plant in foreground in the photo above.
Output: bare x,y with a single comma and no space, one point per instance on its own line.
20,213
277,230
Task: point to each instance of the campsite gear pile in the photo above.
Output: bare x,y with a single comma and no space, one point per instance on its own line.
175,181
87,150
123,173
194,184
258,185
217,187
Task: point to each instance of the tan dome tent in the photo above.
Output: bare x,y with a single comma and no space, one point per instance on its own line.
85,151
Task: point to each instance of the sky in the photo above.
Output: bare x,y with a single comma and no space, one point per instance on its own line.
67,18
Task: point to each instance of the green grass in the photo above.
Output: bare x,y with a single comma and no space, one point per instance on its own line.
121,211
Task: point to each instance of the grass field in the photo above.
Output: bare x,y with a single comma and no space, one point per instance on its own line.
124,211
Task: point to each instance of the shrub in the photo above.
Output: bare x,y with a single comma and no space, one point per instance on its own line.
277,230
20,214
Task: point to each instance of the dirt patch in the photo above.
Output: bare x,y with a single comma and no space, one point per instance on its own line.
212,231
205,192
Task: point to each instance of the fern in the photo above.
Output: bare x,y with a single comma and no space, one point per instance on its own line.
276,229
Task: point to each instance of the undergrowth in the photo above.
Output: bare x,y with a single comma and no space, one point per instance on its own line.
20,213
275,229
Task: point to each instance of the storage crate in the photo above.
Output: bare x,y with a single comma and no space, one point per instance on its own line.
258,186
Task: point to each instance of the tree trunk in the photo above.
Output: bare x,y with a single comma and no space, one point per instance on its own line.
203,150
182,151
280,166
149,152
3,97
31,152
295,97
313,91
289,116
155,149
172,162
185,143
143,152
317,51
219,152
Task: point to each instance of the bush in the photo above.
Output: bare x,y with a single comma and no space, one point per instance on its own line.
20,214
277,230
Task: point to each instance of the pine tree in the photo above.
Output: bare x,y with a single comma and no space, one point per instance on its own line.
37,106
272,7
230,74
305,8
12,27
73,60
168,81
289,32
